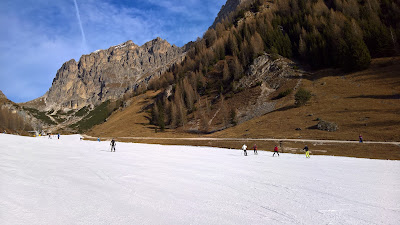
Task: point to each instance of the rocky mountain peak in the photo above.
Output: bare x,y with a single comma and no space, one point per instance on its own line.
108,74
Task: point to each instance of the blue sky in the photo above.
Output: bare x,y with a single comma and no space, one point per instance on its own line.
38,36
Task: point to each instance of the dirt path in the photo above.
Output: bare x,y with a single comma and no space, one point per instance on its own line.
251,139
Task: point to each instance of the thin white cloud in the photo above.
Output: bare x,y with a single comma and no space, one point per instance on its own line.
38,38
78,16
30,56
117,24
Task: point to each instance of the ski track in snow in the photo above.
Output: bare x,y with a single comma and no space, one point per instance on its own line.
68,181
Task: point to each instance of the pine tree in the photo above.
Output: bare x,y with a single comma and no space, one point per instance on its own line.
210,36
226,76
231,46
235,69
233,118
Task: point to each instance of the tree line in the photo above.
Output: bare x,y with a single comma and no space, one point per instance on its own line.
330,33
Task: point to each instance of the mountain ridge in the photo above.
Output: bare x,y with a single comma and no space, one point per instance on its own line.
107,74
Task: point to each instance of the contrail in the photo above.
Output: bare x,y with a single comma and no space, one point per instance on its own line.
80,25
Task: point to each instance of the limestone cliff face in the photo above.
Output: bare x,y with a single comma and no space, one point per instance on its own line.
108,74
226,9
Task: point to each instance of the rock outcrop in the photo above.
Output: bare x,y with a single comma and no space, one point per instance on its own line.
274,71
108,74
271,72
327,126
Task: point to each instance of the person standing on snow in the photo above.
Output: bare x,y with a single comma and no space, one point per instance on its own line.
58,136
360,138
276,150
113,144
255,149
307,151
98,139
244,148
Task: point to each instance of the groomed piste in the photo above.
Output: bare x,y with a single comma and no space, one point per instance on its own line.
69,181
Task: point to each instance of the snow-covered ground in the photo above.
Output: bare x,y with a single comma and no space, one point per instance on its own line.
68,181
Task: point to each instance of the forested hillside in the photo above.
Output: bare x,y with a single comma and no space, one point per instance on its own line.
320,34
12,118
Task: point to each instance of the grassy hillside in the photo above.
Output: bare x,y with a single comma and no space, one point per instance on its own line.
319,34
97,116
364,102
132,121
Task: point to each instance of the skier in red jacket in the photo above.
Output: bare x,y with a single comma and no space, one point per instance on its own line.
255,149
276,150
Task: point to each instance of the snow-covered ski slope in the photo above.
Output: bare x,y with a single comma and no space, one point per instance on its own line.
68,181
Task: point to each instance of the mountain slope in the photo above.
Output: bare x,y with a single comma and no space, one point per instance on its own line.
364,102
229,7
214,88
108,74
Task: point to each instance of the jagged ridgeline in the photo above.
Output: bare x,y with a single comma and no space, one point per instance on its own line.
332,33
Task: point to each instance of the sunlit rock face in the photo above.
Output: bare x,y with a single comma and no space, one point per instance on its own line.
108,74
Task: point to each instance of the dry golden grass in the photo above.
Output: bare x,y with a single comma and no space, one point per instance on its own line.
132,121
365,102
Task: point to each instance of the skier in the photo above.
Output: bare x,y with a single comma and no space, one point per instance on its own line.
244,148
49,136
113,144
360,138
58,136
275,151
98,139
307,152
255,149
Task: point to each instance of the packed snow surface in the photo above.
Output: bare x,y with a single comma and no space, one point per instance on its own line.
68,181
